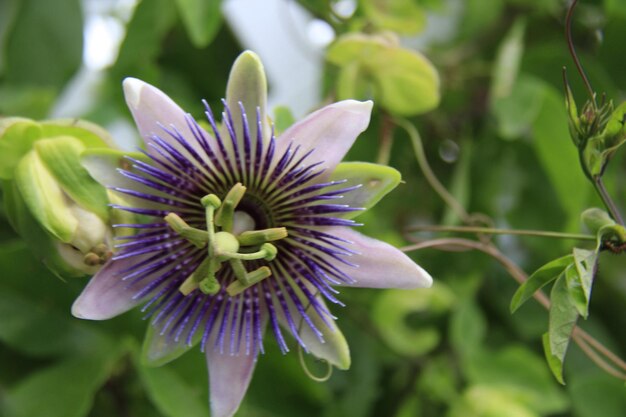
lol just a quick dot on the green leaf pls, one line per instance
(44, 198)
(408, 83)
(581, 282)
(401, 16)
(90, 134)
(61, 156)
(65, 389)
(375, 180)
(202, 19)
(53, 32)
(563, 316)
(402, 81)
(171, 394)
(488, 401)
(544, 275)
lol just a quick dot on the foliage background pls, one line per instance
(498, 141)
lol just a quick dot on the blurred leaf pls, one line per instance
(45, 46)
(438, 380)
(563, 315)
(517, 111)
(202, 19)
(394, 307)
(8, 12)
(488, 401)
(541, 277)
(522, 374)
(402, 16)
(171, 394)
(26, 100)
(468, 328)
(477, 18)
(65, 389)
(597, 395)
(508, 60)
(35, 330)
(142, 44)
(283, 119)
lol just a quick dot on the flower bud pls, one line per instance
(52, 201)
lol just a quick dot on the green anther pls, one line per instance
(258, 237)
(91, 259)
(101, 249)
(225, 215)
(254, 277)
(196, 236)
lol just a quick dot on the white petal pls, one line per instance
(229, 377)
(106, 295)
(331, 131)
(381, 265)
(151, 108)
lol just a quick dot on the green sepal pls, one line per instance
(156, 350)
(61, 156)
(283, 119)
(17, 136)
(40, 242)
(541, 277)
(247, 84)
(91, 135)
(44, 197)
(376, 181)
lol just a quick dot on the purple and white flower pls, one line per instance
(241, 231)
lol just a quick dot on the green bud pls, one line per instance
(595, 219)
(50, 198)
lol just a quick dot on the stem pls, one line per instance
(386, 140)
(583, 339)
(607, 200)
(428, 172)
(572, 51)
(494, 231)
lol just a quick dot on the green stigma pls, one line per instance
(225, 247)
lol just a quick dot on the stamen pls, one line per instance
(258, 237)
(225, 215)
(223, 246)
(197, 237)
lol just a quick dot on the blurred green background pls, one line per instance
(494, 129)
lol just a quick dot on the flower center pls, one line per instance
(223, 239)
